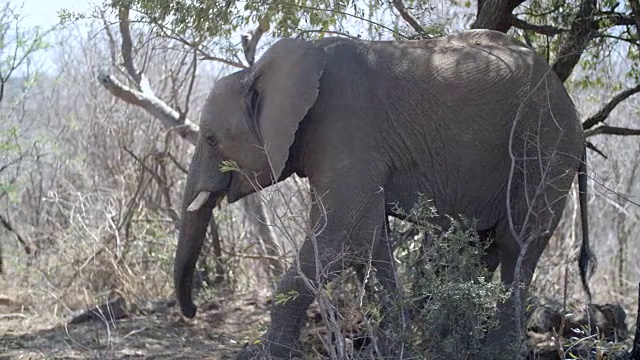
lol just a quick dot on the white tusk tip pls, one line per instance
(197, 203)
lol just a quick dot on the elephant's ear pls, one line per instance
(287, 81)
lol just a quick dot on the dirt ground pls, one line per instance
(215, 333)
(212, 334)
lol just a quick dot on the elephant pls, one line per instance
(475, 121)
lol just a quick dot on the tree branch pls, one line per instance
(540, 29)
(409, 18)
(169, 117)
(611, 130)
(606, 110)
(495, 14)
(614, 18)
(583, 29)
(594, 148)
(7, 225)
(127, 56)
(251, 39)
(144, 96)
(203, 54)
(635, 9)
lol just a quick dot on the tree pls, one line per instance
(18, 44)
(579, 38)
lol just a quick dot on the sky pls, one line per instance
(45, 12)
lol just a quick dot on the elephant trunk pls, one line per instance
(205, 188)
(193, 229)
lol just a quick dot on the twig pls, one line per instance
(540, 29)
(409, 18)
(334, 32)
(361, 18)
(601, 115)
(203, 54)
(594, 148)
(194, 64)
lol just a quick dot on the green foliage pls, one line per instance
(281, 299)
(17, 45)
(454, 294)
(229, 165)
(217, 18)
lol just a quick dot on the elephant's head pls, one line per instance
(250, 118)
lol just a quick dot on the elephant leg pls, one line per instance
(518, 264)
(345, 225)
(491, 256)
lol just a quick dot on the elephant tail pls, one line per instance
(587, 260)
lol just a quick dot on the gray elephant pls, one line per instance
(475, 121)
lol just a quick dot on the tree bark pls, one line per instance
(583, 29)
(495, 14)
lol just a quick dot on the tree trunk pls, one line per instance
(257, 217)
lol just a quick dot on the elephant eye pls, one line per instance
(212, 141)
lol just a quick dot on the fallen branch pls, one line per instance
(110, 311)
(603, 113)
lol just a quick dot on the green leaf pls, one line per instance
(228, 165)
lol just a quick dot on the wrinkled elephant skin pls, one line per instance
(475, 121)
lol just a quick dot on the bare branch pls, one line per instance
(540, 29)
(194, 67)
(251, 39)
(602, 115)
(619, 38)
(409, 18)
(7, 225)
(583, 29)
(205, 56)
(111, 39)
(145, 98)
(611, 130)
(614, 18)
(594, 148)
(127, 56)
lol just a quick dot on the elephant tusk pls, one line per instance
(202, 197)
